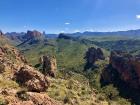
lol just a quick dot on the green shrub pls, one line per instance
(66, 100)
(22, 95)
(110, 92)
(2, 68)
(3, 102)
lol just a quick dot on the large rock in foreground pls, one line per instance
(32, 79)
(92, 55)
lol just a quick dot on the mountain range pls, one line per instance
(129, 33)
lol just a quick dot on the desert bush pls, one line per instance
(8, 84)
(3, 102)
(22, 95)
(2, 68)
(66, 100)
(110, 92)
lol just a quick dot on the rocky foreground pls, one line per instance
(20, 83)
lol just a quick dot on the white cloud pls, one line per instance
(138, 16)
(67, 23)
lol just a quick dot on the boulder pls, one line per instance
(32, 79)
(49, 65)
(92, 55)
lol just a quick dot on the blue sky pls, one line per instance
(54, 16)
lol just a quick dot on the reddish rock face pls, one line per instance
(49, 65)
(32, 79)
(92, 55)
(127, 66)
(33, 34)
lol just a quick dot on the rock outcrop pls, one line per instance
(17, 75)
(127, 68)
(32, 79)
(49, 65)
(33, 34)
(92, 55)
(15, 54)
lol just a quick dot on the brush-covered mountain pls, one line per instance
(79, 70)
(129, 33)
(23, 84)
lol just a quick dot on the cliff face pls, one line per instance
(33, 34)
(127, 68)
(22, 37)
(92, 55)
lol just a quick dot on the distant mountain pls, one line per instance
(34, 34)
(120, 33)
(51, 35)
(16, 36)
(22, 37)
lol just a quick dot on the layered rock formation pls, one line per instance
(49, 65)
(33, 34)
(92, 55)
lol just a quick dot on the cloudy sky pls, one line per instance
(54, 16)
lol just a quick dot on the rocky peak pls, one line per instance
(92, 55)
(49, 65)
(33, 34)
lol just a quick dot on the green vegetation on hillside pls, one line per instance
(72, 84)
